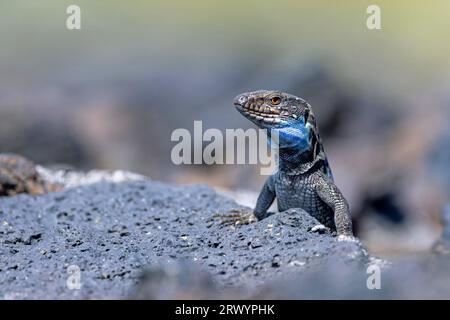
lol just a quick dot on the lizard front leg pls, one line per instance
(332, 196)
(265, 200)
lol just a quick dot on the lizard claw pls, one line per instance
(320, 228)
(236, 218)
(347, 237)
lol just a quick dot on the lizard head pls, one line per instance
(272, 109)
(289, 116)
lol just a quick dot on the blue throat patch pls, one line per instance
(293, 135)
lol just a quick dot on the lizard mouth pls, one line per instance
(261, 114)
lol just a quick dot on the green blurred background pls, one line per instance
(198, 37)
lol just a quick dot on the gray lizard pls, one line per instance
(304, 179)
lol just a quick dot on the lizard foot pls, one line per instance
(320, 228)
(347, 237)
(237, 217)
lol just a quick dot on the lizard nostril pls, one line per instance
(240, 100)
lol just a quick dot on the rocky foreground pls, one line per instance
(119, 235)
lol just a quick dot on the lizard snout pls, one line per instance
(240, 100)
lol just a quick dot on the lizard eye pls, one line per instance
(275, 100)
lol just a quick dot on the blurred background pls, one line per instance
(109, 95)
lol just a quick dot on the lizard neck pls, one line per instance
(295, 162)
(300, 148)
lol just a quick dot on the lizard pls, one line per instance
(304, 178)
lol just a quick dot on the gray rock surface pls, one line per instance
(124, 233)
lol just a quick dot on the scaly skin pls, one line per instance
(304, 179)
